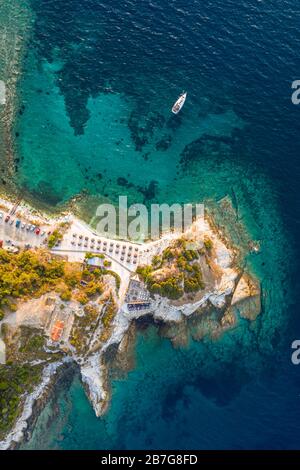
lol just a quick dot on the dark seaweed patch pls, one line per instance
(142, 130)
(124, 182)
(164, 143)
(149, 192)
(207, 145)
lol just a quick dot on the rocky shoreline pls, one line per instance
(238, 295)
(230, 293)
(64, 374)
(34, 404)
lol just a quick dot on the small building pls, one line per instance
(95, 263)
(60, 323)
(57, 330)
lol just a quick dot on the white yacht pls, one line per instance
(179, 103)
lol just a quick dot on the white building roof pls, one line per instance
(95, 261)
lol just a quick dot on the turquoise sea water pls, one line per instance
(200, 397)
(98, 83)
(108, 158)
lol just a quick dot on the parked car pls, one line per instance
(11, 221)
(32, 227)
(7, 218)
(18, 223)
(1, 215)
(22, 226)
(37, 231)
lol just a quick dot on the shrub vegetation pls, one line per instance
(175, 272)
(15, 380)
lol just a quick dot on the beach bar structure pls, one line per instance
(137, 296)
(136, 306)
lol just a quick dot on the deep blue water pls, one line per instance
(240, 134)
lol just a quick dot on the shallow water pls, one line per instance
(98, 84)
(15, 22)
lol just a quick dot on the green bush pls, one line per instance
(66, 295)
(109, 313)
(208, 244)
(168, 254)
(155, 288)
(93, 288)
(170, 288)
(145, 272)
(54, 238)
(190, 255)
(4, 386)
(82, 298)
(156, 261)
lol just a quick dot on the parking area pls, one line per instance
(17, 233)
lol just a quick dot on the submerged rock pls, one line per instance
(246, 300)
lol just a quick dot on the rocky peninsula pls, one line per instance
(71, 296)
